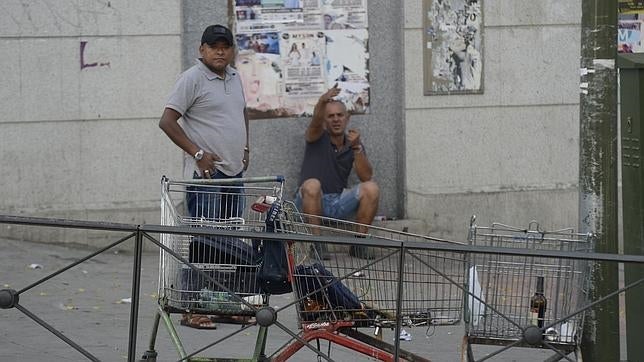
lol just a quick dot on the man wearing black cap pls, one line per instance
(214, 132)
(209, 97)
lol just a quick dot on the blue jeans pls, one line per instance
(216, 202)
(337, 206)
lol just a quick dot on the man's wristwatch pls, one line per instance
(199, 155)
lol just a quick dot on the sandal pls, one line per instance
(197, 321)
(244, 320)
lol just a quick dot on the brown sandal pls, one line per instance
(244, 320)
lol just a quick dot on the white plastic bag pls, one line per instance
(475, 306)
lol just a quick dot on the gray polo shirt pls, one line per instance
(212, 109)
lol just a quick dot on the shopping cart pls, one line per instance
(340, 290)
(501, 307)
(212, 274)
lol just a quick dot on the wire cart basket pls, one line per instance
(217, 275)
(501, 307)
(351, 281)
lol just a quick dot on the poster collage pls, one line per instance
(292, 51)
(629, 27)
(453, 46)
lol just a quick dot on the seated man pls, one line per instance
(329, 156)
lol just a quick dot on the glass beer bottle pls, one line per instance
(538, 304)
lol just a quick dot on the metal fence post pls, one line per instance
(598, 170)
(136, 284)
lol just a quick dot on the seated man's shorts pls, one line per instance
(337, 206)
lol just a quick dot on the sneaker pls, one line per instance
(404, 335)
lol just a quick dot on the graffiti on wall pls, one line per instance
(84, 64)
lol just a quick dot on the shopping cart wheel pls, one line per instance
(149, 356)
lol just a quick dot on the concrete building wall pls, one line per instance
(277, 145)
(79, 137)
(78, 134)
(510, 154)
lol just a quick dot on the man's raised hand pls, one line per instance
(332, 92)
(353, 137)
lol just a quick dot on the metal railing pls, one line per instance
(10, 298)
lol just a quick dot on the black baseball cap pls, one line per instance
(213, 33)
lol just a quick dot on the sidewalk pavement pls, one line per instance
(89, 304)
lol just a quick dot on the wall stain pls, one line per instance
(84, 65)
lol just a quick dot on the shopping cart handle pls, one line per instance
(234, 181)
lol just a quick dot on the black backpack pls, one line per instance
(326, 288)
(272, 275)
(240, 275)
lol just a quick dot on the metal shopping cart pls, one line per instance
(377, 284)
(525, 301)
(212, 274)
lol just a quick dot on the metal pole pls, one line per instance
(598, 171)
(399, 298)
(136, 287)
